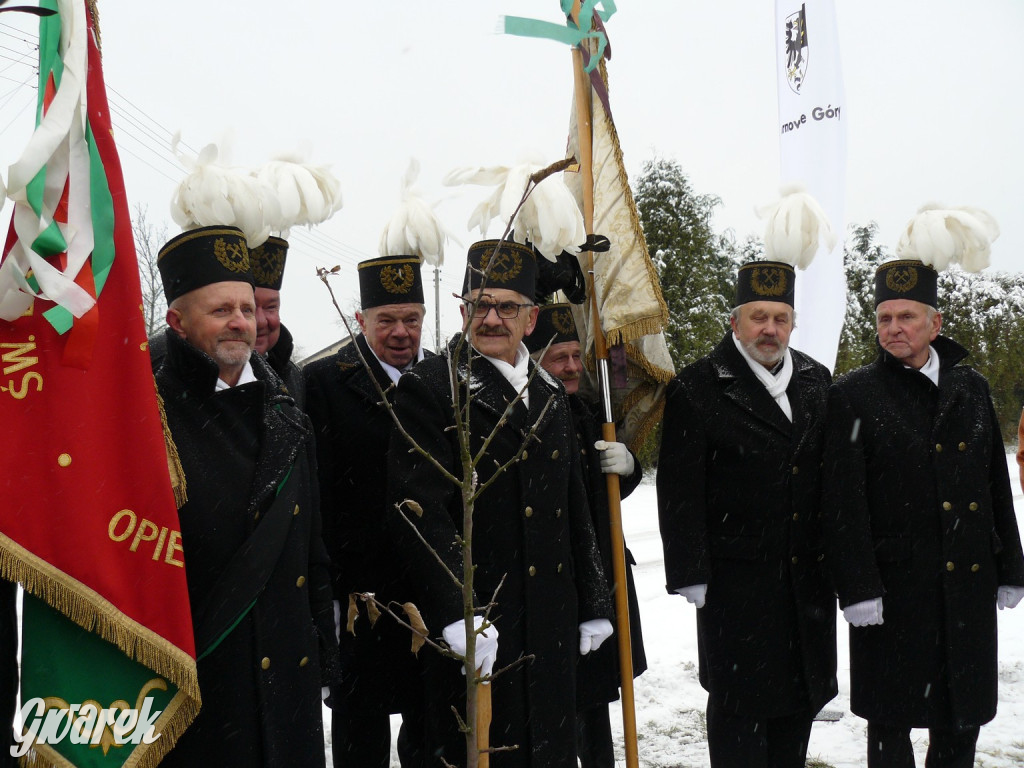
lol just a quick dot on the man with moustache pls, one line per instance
(255, 564)
(532, 533)
(598, 674)
(738, 502)
(380, 675)
(920, 528)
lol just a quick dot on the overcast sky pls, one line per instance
(934, 108)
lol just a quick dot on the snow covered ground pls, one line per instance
(670, 702)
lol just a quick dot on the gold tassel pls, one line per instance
(174, 467)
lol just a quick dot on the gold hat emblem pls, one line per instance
(234, 257)
(768, 281)
(397, 279)
(267, 264)
(507, 265)
(562, 322)
(901, 279)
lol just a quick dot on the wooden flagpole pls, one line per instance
(585, 133)
(483, 724)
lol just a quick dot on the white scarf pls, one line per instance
(776, 384)
(931, 366)
(517, 374)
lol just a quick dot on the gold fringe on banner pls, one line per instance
(93, 613)
(173, 459)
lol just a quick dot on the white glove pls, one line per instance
(694, 594)
(486, 642)
(1008, 597)
(615, 458)
(864, 613)
(337, 620)
(593, 633)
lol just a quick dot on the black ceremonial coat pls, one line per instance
(261, 685)
(918, 510)
(738, 504)
(598, 672)
(531, 528)
(352, 433)
(280, 358)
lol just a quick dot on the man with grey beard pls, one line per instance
(738, 489)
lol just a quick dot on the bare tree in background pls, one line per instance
(148, 239)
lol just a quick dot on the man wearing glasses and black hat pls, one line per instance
(532, 532)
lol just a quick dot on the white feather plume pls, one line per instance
(939, 236)
(306, 194)
(414, 229)
(550, 219)
(796, 227)
(213, 194)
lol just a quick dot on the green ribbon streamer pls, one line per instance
(51, 241)
(570, 35)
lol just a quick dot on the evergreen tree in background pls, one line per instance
(696, 271)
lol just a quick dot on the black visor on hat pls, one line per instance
(203, 256)
(511, 265)
(390, 280)
(906, 279)
(765, 281)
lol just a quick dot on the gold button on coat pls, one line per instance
(975, 568)
(796, 516)
(947, 506)
(973, 506)
(938, 447)
(528, 511)
(796, 470)
(554, 454)
(962, 447)
(559, 567)
(533, 571)
(265, 663)
(304, 661)
(950, 566)
(795, 559)
(300, 581)
(296, 511)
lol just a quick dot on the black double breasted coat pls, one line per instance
(739, 510)
(260, 686)
(919, 511)
(532, 535)
(353, 430)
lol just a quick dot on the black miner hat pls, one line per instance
(390, 280)
(765, 281)
(555, 323)
(203, 256)
(514, 268)
(906, 279)
(267, 263)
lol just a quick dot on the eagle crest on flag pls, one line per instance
(795, 37)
